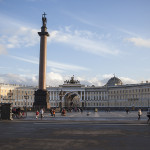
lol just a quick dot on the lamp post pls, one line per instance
(148, 102)
(60, 96)
(26, 97)
(10, 94)
(1, 99)
(108, 109)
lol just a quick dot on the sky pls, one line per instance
(90, 39)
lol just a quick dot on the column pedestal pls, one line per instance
(41, 99)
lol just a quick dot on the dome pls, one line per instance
(114, 81)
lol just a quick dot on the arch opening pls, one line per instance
(72, 100)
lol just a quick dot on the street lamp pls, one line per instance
(10, 94)
(61, 96)
(26, 97)
(107, 94)
(1, 98)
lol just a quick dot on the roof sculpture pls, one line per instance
(72, 81)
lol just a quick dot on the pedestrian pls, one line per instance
(54, 112)
(41, 112)
(63, 113)
(20, 114)
(37, 114)
(127, 110)
(23, 114)
(51, 112)
(148, 115)
(139, 114)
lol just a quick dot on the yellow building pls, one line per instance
(15, 94)
(114, 95)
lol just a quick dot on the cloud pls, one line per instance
(3, 49)
(127, 32)
(21, 35)
(52, 64)
(108, 76)
(82, 20)
(56, 79)
(24, 37)
(65, 66)
(125, 80)
(83, 40)
(14, 34)
(18, 79)
(52, 79)
(140, 42)
(92, 81)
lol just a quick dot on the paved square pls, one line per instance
(76, 131)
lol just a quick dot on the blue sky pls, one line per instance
(91, 39)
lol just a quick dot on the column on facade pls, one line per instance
(56, 96)
(87, 95)
(84, 95)
(81, 96)
(90, 95)
(53, 95)
(50, 95)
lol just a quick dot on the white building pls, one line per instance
(113, 95)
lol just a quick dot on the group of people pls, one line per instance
(18, 113)
(63, 113)
(41, 113)
(52, 113)
(148, 114)
(139, 112)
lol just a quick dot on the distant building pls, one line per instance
(14, 94)
(73, 94)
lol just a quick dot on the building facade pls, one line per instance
(113, 95)
(72, 94)
(15, 94)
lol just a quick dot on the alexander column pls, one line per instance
(42, 95)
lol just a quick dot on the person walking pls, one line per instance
(37, 114)
(148, 115)
(54, 112)
(51, 112)
(127, 110)
(139, 114)
(41, 112)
